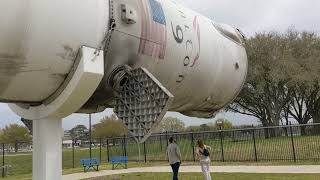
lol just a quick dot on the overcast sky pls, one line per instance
(250, 16)
(261, 15)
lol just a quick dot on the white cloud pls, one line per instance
(7, 116)
(260, 15)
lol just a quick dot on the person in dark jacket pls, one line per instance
(174, 157)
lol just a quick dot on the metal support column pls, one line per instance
(90, 140)
(221, 144)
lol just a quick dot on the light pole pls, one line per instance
(90, 140)
(220, 123)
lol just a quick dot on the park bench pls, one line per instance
(119, 160)
(90, 163)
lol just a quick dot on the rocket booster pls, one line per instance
(201, 62)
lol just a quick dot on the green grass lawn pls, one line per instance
(215, 176)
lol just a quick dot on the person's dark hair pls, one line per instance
(171, 140)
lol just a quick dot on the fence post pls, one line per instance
(145, 152)
(293, 147)
(100, 150)
(124, 145)
(108, 153)
(167, 138)
(3, 160)
(176, 137)
(255, 145)
(73, 154)
(160, 142)
(192, 145)
(221, 144)
(203, 137)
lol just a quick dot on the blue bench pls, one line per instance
(119, 160)
(90, 163)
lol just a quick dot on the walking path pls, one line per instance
(220, 169)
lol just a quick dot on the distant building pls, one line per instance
(67, 135)
(67, 143)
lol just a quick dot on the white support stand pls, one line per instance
(47, 117)
(47, 149)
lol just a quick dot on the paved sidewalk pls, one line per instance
(221, 169)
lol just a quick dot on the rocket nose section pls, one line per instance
(238, 51)
(230, 32)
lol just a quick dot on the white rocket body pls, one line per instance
(202, 63)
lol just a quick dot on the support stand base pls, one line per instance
(81, 83)
(47, 149)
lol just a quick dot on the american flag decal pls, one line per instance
(157, 12)
(153, 29)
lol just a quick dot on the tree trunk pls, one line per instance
(275, 122)
(316, 119)
(303, 130)
(16, 147)
(266, 133)
(266, 130)
(287, 123)
(273, 133)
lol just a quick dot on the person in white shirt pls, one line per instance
(174, 157)
(203, 154)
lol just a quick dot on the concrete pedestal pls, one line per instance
(47, 149)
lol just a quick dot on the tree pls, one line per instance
(314, 104)
(15, 134)
(305, 48)
(210, 126)
(193, 129)
(297, 107)
(308, 54)
(171, 124)
(109, 127)
(78, 132)
(283, 78)
(265, 94)
(204, 127)
(304, 83)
